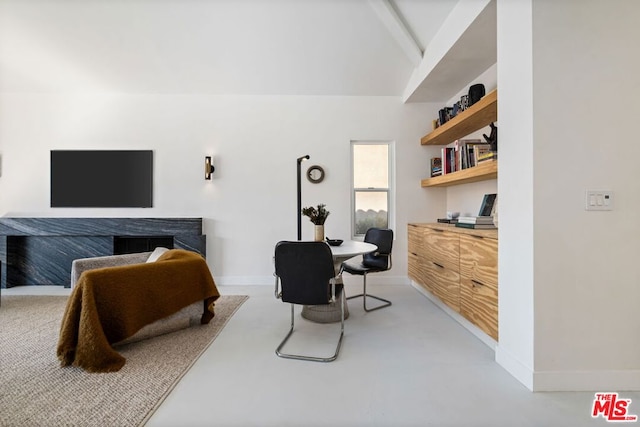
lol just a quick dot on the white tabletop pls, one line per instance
(351, 248)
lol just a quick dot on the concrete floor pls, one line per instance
(406, 365)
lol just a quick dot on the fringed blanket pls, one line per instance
(110, 304)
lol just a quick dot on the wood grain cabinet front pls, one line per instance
(460, 268)
(442, 249)
(479, 282)
(416, 255)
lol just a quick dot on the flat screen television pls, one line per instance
(101, 178)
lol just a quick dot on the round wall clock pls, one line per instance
(315, 174)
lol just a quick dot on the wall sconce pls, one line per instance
(208, 167)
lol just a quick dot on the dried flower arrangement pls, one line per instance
(317, 216)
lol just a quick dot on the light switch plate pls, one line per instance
(599, 200)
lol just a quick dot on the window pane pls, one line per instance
(371, 210)
(371, 166)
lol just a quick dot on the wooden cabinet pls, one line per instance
(441, 267)
(416, 254)
(479, 282)
(479, 115)
(460, 267)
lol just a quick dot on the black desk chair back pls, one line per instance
(374, 262)
(304, 275)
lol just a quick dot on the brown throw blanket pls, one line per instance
(110, 304)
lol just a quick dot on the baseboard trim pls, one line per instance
(595, 381)
(514, 367)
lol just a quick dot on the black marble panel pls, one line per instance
(46, 260)
(39, 251)
(99, 226)
(191, 243)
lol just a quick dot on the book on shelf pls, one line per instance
(489, 203)
(464, 154)
(482, 152)
(488, 157)
(476, 226)
(447, 160)
(448, 220)
(480, 220)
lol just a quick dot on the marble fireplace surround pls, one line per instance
(39, 251)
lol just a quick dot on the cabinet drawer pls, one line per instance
(479, 304)
(415, 239)
(444, 283)
(479, 259)
(416, 268)
(442, 248)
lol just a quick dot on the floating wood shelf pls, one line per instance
(482, 172)
(479, 115)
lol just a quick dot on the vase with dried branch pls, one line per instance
(317, 216)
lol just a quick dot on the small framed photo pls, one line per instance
(436, 166)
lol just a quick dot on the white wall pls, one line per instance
(515, 188)
(251, 202)
(568, 282)
(586, 283)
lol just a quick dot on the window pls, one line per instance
(371, 178)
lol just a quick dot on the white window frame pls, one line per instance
(391, 193)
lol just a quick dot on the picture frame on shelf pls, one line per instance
(436, 166)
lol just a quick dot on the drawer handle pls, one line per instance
(438, 230)
(475, 282)
(437, 265)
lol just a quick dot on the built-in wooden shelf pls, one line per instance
(482, 172)
(479, 115)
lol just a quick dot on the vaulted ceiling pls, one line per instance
(285, 47)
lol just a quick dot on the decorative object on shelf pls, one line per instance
(317, 216)
(334, 242)
(315, 174)
(208, 167)
(492, 139)
(489, 201)
(299, 194)
(436, 166)
(476, 92)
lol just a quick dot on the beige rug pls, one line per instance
(36, 391)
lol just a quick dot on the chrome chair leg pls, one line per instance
(312, 358)
(364, 296)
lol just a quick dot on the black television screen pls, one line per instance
(101, 178)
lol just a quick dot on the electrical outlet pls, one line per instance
(599, 200)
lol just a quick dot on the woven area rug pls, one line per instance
(36, 391)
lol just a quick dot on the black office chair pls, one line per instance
(374, 262)
(305, 275)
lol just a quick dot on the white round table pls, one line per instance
(330, 313)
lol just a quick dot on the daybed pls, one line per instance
(109, 305)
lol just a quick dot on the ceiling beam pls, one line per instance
(398, 29)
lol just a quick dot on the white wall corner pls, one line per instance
(512, 365)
